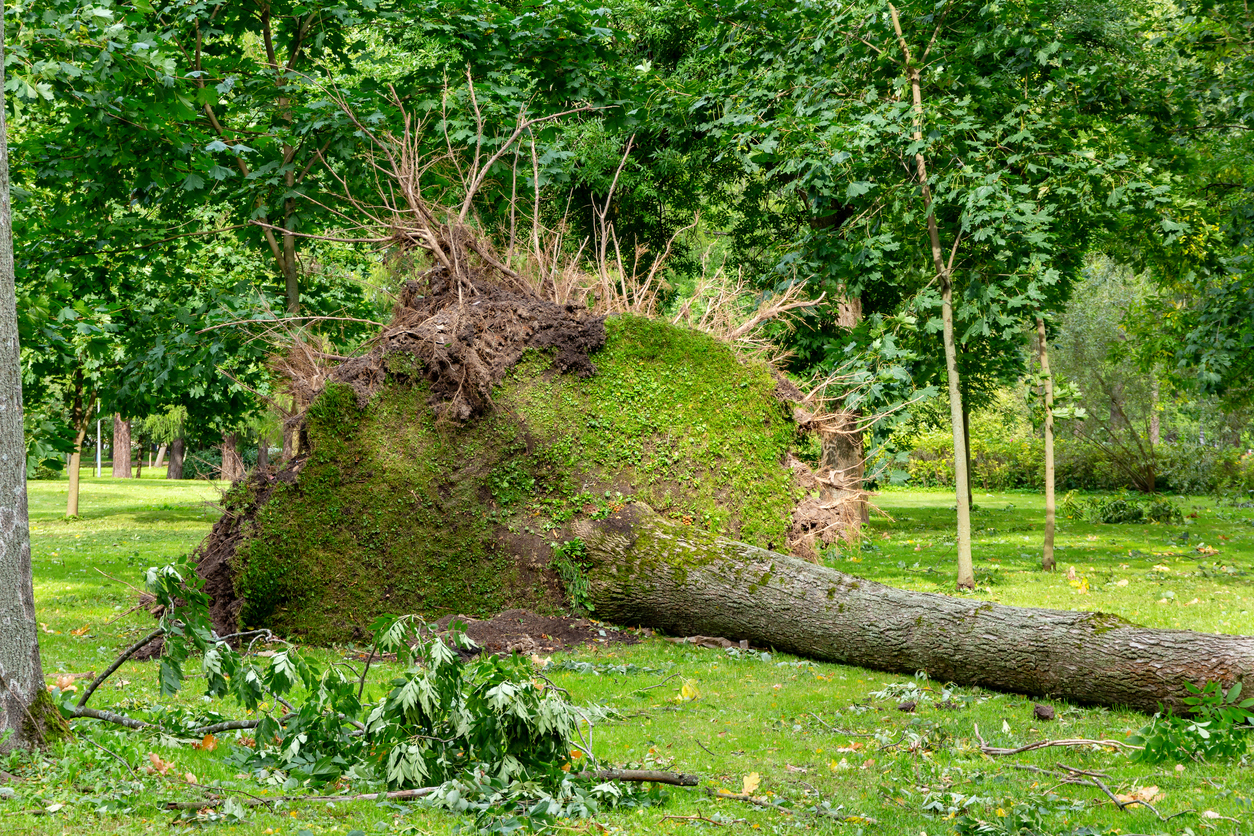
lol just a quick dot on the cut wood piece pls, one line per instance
(645, 570)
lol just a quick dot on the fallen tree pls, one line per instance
(646, 570)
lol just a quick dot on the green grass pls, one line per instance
(775, 716)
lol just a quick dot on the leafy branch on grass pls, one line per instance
(492, 733)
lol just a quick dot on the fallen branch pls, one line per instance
(110, 717)
(635, 775)
(395, 795)
(675, 779)
(1044, 744)
(117, 663)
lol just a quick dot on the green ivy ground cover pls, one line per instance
(825, 744)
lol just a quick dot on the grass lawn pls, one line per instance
(825, 739)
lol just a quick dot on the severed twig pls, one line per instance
(1043, 744)
(117, 663)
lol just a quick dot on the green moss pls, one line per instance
(396, 513)
(44, 722)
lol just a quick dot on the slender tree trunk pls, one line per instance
(232, 465)
(160, 457)
(80, 419)
(175, 468)
(263, 453)
(1047, 555)
(644, 569)
(944, 272)
(140, 449)
(121, 448)
(966, 443)
(23, 700)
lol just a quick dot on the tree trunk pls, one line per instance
(1047, 555)
(966, 444)
(24, 703)
(962, 480)
(263, 453)
(80, 419)
(175, 469)
(140, 449)
(121, 448)
(232, 465)
(842, 468)
(160, 457)
(650, 571)
(1155, 422)
(944, 272)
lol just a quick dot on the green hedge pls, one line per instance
(1020, 463)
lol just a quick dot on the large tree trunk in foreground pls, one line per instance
(650, 571)
(25, 709)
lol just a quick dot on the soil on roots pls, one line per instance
(465, 334)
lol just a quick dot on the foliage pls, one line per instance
(1120, 509)
(492, 734)
(1217, 727)
(570, 563)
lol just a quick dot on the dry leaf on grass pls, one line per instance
(751, 782)
(1148, 795)
(157, 766)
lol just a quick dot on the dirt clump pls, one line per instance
(465, 334)
(526, 632)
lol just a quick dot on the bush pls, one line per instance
(1120, 509)
(1006, 464)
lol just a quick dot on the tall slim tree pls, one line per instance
(1047, 555)
(21, 674)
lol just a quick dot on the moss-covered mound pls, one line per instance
(395, 511)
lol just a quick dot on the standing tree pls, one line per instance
(1047, 386)
(960, 155)
(24, 704)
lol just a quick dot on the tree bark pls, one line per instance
(263, 452)
(141, 447)
(1047, 554)
(842, 470)
(121, 448)
(650, 571)
(232, 465)
(175, 468)
(161, 451)
(23, 700)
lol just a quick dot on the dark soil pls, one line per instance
(527, 633)
(464, 335)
